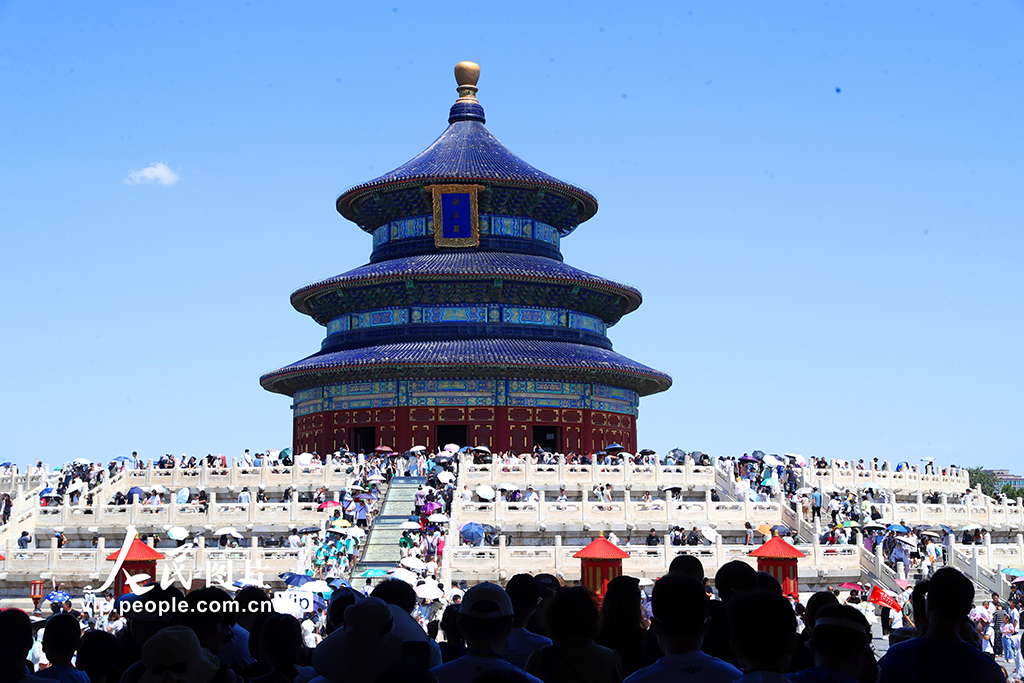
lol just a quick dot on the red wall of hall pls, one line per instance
(500, 428)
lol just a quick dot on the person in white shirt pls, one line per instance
(293, 540)
(532, 496)
(986, 634)
(679, 620)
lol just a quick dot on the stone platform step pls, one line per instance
(381, 551)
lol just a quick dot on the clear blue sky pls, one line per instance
(822, 203)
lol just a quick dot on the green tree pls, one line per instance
(1013, 491)
(979, 475)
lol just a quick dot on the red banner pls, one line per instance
(880, 597)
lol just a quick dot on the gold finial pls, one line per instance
(466, 76)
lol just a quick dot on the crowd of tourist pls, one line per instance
(536, 628)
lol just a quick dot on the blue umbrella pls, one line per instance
(6, 464)
(319, 603)
(898, 528)
(338, 583)
(614, 446)
(135, 492)
(181, 497)
(48, 489)
(298, 580)
(121, 458)
(472, 532)
(780, 530)
(57, 596)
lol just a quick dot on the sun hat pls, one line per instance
(176, 649)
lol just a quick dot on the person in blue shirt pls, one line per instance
(941, 654)
(60, 640)
(815, 504)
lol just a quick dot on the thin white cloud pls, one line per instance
(157, 172)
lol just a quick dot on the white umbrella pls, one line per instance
(77, 486)
(485, 492)
(452, 448)
(181, 497)
(413, 563)
(429, 591)
(354, 531)
(709, 533)
(177, 533)
(93, 530)
(417, 449)
(970, 527)
(438, 517)
(410, 525)
(508, 487)
(316, 587)
(483, 449)
(446, 477)
(304, 459)
(805, 490)
(772, 461)
(235, 534)
(375, 477)
(159, 488)
(798, 460)
(225, 531)
(645, 582)
(405, 575)
(82, 461)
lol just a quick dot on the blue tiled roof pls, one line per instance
(468, 265)
(510, 357)
(466, 152)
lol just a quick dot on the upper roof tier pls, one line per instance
(468, 153)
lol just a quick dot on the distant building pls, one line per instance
(1003, 477)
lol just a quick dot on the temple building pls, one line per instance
(466, 326)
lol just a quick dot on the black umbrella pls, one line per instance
(648, 451)
(309, 530)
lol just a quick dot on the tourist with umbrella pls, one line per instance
(472, 533)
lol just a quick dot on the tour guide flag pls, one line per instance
(880, 597)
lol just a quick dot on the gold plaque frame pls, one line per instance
(474, 215)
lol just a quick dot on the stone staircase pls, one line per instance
(381, 551)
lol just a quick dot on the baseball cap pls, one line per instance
(486, 601)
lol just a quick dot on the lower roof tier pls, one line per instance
(460, 266)
(484, 358)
